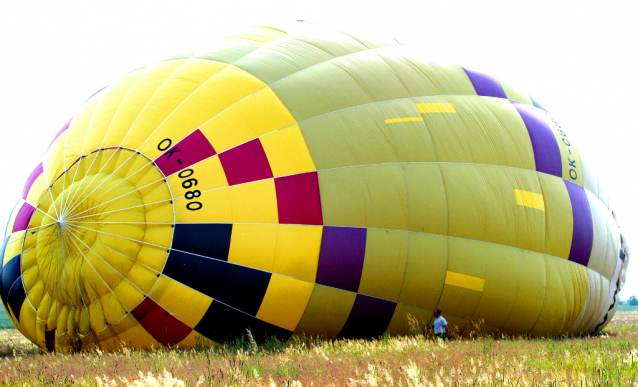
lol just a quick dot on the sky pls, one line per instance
(577, 58)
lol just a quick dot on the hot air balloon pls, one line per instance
(302, 181)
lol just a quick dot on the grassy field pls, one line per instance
(609, 359)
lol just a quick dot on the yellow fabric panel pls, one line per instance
(530, 294)
(147, 82)
(175, 100)
(170, 295)
(515, 94)
(502, 272)
(254, 202)
(113, 309)
(128, 295)
(108, 108)
(426, 199)
(595, 303)
(96, 317)
(327, 312)
(36, 191)
(254, 245)
(208, 173)
(297, 251)
(565, 296)
(287, 152)
(27, 321)
(195, 340)
(52, 163)
(424, 271)
(260, 113)
(435, 107)
(484, 131)
(133, 335)
(372, 196)
(529, 199)
(153, 257)
(75, 140)
(384, 264)
(408, 320)
(404, 119)
(143, 277)
(189, 99)
(464, 281)
(285, 301)
(13, 247)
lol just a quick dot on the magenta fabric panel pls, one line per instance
(583, 236)
(298, 199)
(246, 163)
(546, 150)
(64, 128)
(23, 218)
(191, 150)
(32, 177)
(485, 85)
(341, 257)
(163, 326)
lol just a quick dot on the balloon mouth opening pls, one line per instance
(96, 244)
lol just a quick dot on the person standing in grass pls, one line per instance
(439, 326)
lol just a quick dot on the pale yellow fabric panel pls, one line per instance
(369, 196)
(502, 275)
(482, 205)
(530, 293)
(600, 244)
(408, 320)
(565, 295)
(327, 312)
(384, 264)
(426, 198)
(36, 191)
(13, 247)
(559, 220)
(425, 270)
(482, 131)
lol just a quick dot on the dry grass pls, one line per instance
(610, 359)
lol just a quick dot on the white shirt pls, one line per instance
(439, 325)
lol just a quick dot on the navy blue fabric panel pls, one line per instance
(209, 240)
(222, 323)
(16, 297)
(369, 317)
(8, 276)
(238, 286)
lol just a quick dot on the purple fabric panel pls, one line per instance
(23, 217)
(485, 85)
(546, 150)
(34, 175)
(341, 257)
(65, 127)
(583, 236)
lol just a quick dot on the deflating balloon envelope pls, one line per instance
(304, 181)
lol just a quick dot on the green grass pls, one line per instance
(608, 359)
